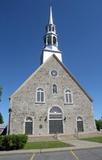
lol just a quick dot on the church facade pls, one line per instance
(51, 100)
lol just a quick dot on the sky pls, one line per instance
(79, 29)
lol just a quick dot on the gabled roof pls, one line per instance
(23, 84)
(71, 75)
(67, 70)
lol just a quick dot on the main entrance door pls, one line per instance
(55, 120)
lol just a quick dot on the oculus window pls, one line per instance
(54, 73)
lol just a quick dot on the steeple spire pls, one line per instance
(51, 17)
(50, 40)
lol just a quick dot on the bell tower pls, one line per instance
(50, 41)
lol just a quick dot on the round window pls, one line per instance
(54, 73)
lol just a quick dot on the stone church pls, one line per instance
(51, 100)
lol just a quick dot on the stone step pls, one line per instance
(90, 134)
(53, 137)
(41, 138)
(62, 137)
(66, 137)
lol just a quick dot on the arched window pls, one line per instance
(54, 88)
(68, 97)
(28, 126)
(54, 40)
(50, 27)
(49, 40)
(80, 127)
(53, 28)
(55, 110)
(28, 119)
(40, 95)
(55, 113)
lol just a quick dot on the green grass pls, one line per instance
(46, 144)
(93, 139)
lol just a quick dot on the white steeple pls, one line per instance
(50, 41)
(51, 17)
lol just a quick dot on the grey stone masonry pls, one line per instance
(23, 102)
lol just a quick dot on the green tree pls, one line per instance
(1, 119)
(98, 124)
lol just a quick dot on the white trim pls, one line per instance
(65, 102)
(79, 118)
(56, 119)
(49, 51)
(56, 106)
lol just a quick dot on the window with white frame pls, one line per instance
(40, 95)
(55, 113)
(68, 98)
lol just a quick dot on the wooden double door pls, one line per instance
(55, 126)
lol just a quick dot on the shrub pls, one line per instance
(98, 124)
(11, 142)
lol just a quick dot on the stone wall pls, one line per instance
(23, 101)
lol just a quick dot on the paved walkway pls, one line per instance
(77, 144)
(81, 144)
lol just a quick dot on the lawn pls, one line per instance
(93, 139)
(46, 144)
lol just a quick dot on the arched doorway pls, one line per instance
(28, 126)
(55, 120)
(80, 127)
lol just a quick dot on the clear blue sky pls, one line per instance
(79, 28)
